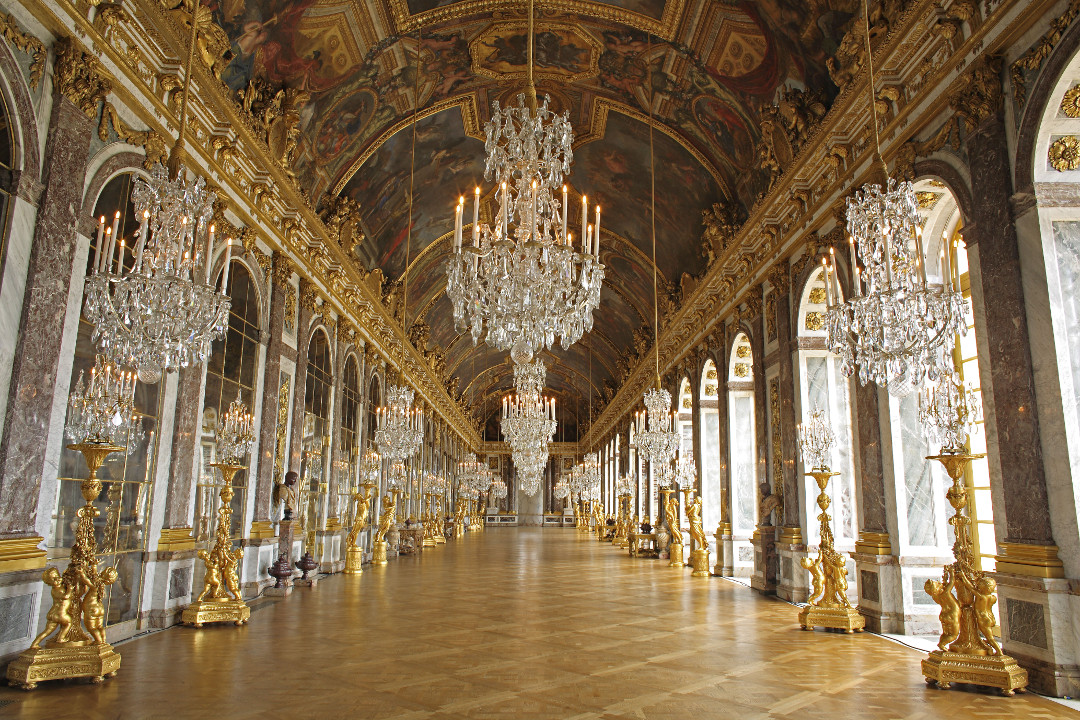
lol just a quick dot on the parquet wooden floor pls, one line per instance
(518, 623)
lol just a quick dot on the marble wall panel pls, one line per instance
(1027, 624)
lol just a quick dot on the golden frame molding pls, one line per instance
(476, 48)
(664, 28)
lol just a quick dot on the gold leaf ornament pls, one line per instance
(1065, 153)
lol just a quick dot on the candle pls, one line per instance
(584, 222)
(97, 246)
(828, 287)
(457, 223)
(109, 249)
(888, 256)
(209, 253)
(535, 218)
(858, 282)
(944, 275)
(225, 272)
(116, 225)
(93, 381)
(476, 218)
(919, 256)
(505, 212)
(588, 241)
(565, 214)
(851, 247)
(835, 279)
(597, 241)
(948, 261)
(120, 264)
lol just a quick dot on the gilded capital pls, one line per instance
(309, 294)
(346, 332)
(80, 77)
(282, 269)
(778, 277)
(753, 301)
(979, 96)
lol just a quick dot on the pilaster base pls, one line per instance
(1038, 616)
(765, 560)
(96, 662)
(847, 619)
(199, 613)
(725, 551)
(793, 583)
(997, 671)
(284, 591)
(881, 594)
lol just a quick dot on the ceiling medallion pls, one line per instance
(521, 283)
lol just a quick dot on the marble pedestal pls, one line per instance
(793, 583)
(330, 544)
(170, 575)
(881, 595)
(725, 559)
(1038, 618)
(765, 560)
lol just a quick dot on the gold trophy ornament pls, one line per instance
(828, 606)
(221, 599)
(101, 417)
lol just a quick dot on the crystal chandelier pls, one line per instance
(400, 427)
(102, 412)
(949, 411)
(686, 472)
(528, 424)
(624, 485)
(815, 441)
(522, 282)
(370, 465)
(897, 329)
(160, 311)
(498, 490)
(660, 441)
(235, 433)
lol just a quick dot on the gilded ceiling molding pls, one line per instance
(664, 29)
(80, 77)
(1033, 59)
(469, 118)
(10, 30)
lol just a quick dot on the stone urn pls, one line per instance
(280, 570)
(306, 564)
(663, 539)
(393, 537)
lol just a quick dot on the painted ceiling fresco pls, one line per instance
(704, 68)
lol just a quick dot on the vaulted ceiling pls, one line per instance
(715, 64)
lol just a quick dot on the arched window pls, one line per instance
(347, 463)
(230, 373)
(824, 386)
(686, 420)
(7, 177)
(127, 477)
(318, 394)
(742, 436)
(710, 446)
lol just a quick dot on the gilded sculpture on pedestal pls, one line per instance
(354, 555)
(699, 556)
(386, 520)
(675, 548)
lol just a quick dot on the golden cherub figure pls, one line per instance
(59, 616)
(941, 592)
(93, 610)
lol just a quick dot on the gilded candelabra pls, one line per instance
(622, 524)
(386, 521)
(699, 556)
(221, 599)
(967, 650)
(671, 514)
(354, 554)
(74, 634)
(459, 517)
(829, 606)
(428, 519)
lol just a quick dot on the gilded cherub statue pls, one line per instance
(59, 617)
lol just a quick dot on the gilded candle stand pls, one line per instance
(73, 643)
(829, 606)
(221, 599)
(967, 650)
(354, 554)
(386, 520)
